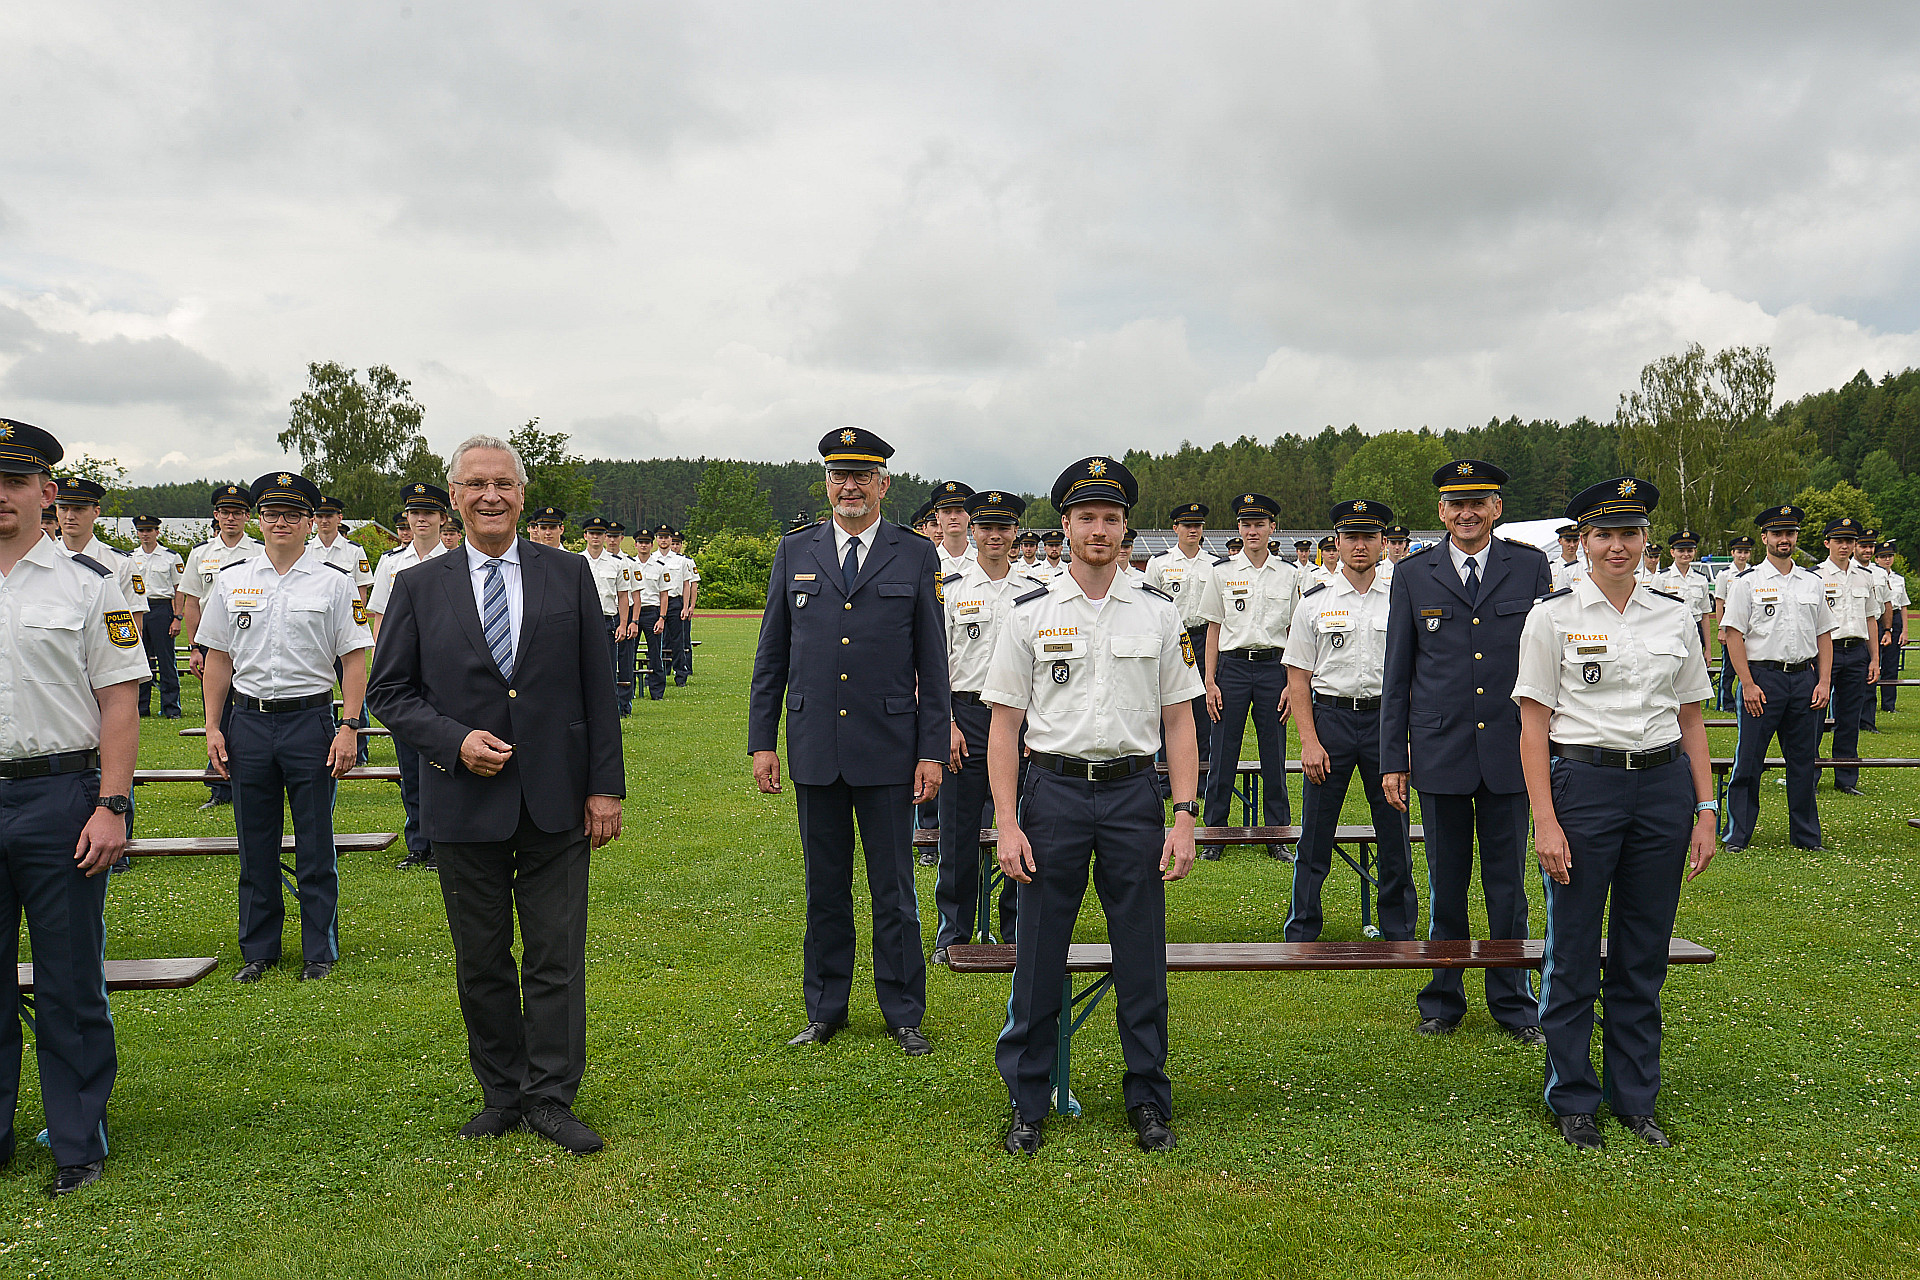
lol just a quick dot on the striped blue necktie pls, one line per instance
(496, 621)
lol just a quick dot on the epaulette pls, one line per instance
(1668, 594)
(952, 577)
(1744, 572)
(336, 568)
(1431, 546)
(1152, 590)
(805, 528)
(1318, 586)
(1156, 555)
(234, 564)
(92, 564)
(1555, 595)
(1031, 595)
(1223, 559)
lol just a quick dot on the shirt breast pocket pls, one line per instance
(1063, 676)
(1136, 671)
(309, 624)
(52, 648)
(1595, 676)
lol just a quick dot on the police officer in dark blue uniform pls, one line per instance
(852, 647)
(1448, 724)
(1610, 684)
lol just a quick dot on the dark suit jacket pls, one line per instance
(434, 681)
(1451, 667)
(863, 678)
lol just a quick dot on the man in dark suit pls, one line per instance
(492, 664)
(1448, 719)
(852, 645)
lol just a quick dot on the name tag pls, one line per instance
(803, 577)
(969, 609)
(1336, 622)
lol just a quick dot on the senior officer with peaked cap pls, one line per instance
(1611, 679)
(1099, 669)
(1448, 724)
(852, 646)
(70, 662)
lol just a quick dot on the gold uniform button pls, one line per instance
(843, 675)
(513, 693)
(1481, 725)
(1476, 622)
(843, 711)
(1476, 690)
(845, 640)
(1475, 655)
(847, 605)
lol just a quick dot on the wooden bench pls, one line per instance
(197, 846)
(1261, 957)
(371, 731)
(129, 975)
(366, 773)
(1723, 771)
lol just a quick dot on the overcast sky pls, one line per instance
(1001, 235)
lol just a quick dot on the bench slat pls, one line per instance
(143, 975)
(186, 846)
(1217, 835)
(370, 732)
(370, 773)
(1232, 957)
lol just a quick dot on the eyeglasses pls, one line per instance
(861, 478)
(487, 486)
(282, 517)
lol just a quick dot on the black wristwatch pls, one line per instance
(114, 804)
(1189, 807)
(355, 723)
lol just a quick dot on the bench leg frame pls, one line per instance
(1064, 1103)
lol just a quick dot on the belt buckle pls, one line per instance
(1630, 765)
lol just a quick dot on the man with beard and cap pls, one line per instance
(1853, 597)
(1895, 636)
(949, 507)
(1099, 671)
(853, 650)
(1051, 565)
(230, 543)
(158, 571)
(1183, 571)
(426, 510)
(1568, 566)
(1449, 728)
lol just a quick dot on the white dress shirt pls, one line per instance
(1184, 578)
(65, 631)
(208, 558)
(1853, 595)
(976, 609)
(1252, 607)
(158, 571)
(477, 562)
(283, 630)
(121, 565)
(348, 555)
(840, 540)
(1460, 560)
(1339, 634)
(1781, 615)
(390, 564)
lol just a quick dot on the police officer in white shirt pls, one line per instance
(1127, 569)
(948, 506)
(157, 569)
(70, 662)
(273, 627)
(1051, 565)
(331, 546)
(1249, 603)
(1854, 598)
(1303, 556)
(1610, 685)
(1099, 670)
(1568, 567)
(424, 511)
(1778, 633)
(1399, 546)
(1686, 581)
(1650, 566)
(547, 526)
(649, 576)
(689, 582)
(1863, 552)
(1182, 571)
(230, 542)
(1336, 651)
(626, 635)
(1740, 553)
(610, 577)
(1029, 560)
(1896, 636)
(79, 505)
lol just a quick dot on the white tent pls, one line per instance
(1535, 533)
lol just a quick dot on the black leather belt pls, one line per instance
(47, 766)
(1091, 770)
(1772, 665)
(273, 706)
(971, 699)
(1616, 759)
(1850, 642)
(1253, 655)
(1351, 704)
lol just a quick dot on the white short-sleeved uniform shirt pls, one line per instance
(609, 578)
(1852, 595)
(1614, 679)
(1044, 570)
(283, 631)
(1692, 587)
(976, 611)
(1339, 634)
(205, 561)
(1781, 615)
(690, 571)
(669, 573)
(1725, 581)
(950, 565)
(1184, 578)
(1568, 572)
(1092, 676)
(392, 563)
(1897, 589)
(158, 571)
(1252, 606)
(347, 555)
(126, 575)
(65, 631)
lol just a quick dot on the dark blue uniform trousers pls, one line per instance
(678, 655)
(1850, 696)
(963, 802)
(885, 817)
(40, 822)
(1202, 722)
(340, 677)
(1890, 659)
(166, 667)
(613, 654)
(1119, 827)
(1627, 831)
(1255, 687)
(623, 684)
(271, 756)
(1352, 740)
(656, 674)
(1451, 821)
(415, 838)
(221, 788)
(1788, 714)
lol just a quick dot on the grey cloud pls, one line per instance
(65, 369)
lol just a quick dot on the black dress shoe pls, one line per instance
(316, 970)
(1811, 848)
(72, 1177)
(1644, 1128)
(1733, 848)
(1211, 853)
(940, 956)
(1023, 1135)
(1280, 853)
(929, 858)
(817, 1033)
(1151, 1129)
(1532, 1036)
(214, 803)
(1849, 791)
(121, 867)
(253, 970)
(492, 1123)
(414, 862)
(1437, 1026)
(1582, 1132)
(558, 1124)
(911, 1041)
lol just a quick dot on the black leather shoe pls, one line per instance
(121, 867)
(940, 956)
(492, 1123)
(1811, 848)
(1023, 1135)
(817, 1033)
(1849, 791)
(1280, 853)
(72, 1177)
(929, 858)
(1533, 1037)
(316, 970)
(1150, 1128)
(1437, 1026)
(214, 804)
(253, 970)
(1211, 853)
(1645, 1129)
(558, 1124)
(911, 1041)
(1582, 1132)
(414, 862)
(1733, 848)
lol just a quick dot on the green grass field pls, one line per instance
(292, 1129)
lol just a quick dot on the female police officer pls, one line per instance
(1615, 754)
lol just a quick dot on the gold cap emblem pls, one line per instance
(1358, 507)
(284, 478)
(1465, 468)
(1246, 500)
(6, 430)
(419, 488)
(1098, 467)
(1626, 488)
(849, 436)
(993, 498)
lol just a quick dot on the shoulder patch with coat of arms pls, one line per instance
(1186, 648)
(120, 628)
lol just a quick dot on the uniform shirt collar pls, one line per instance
(43, 553)
(1340, 584)
(477, 559)
(1588, 595)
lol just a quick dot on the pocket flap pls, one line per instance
(1506, 607)
(1424, 719)
(1135, 646)
(307, 606)
(900, 706)
(54, 616)
(894, 588)
(795, 702)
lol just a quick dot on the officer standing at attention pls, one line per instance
(274, 625)
(1569, 567)
(1883, 597)
(1051, 566)
(1336, 651)
(649, 580)
(1394, 551)
(67, 747)
(1684, 580)
(79, 506)
(1029, 543)
(1740, 552)
(423, 515)
(1778, 637)
(1895, 635)
(1100, 671)
(1449, 726)
(1610, 684)
(229, 543)
(158, 571)
(1853, 597)
(1183, 572)
(50, 522)
(689, 601)
(949, 507)
(627, 635)
(547, 526)
(672, 603)
(402, 531)
(852, 647)
(1249, 603)
(1303, 555)
(610, 578)
(330, 546)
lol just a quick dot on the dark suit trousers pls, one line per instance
(276, 756)
(1451, 822)
(885, 817)
(1850, 695)
(1249, 688)
(159, 646)
(1788, 714)
(1352, 740)
(526, 1029)
(962, 803)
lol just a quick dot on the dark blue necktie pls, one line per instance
(1473, 581)
(850, 567)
